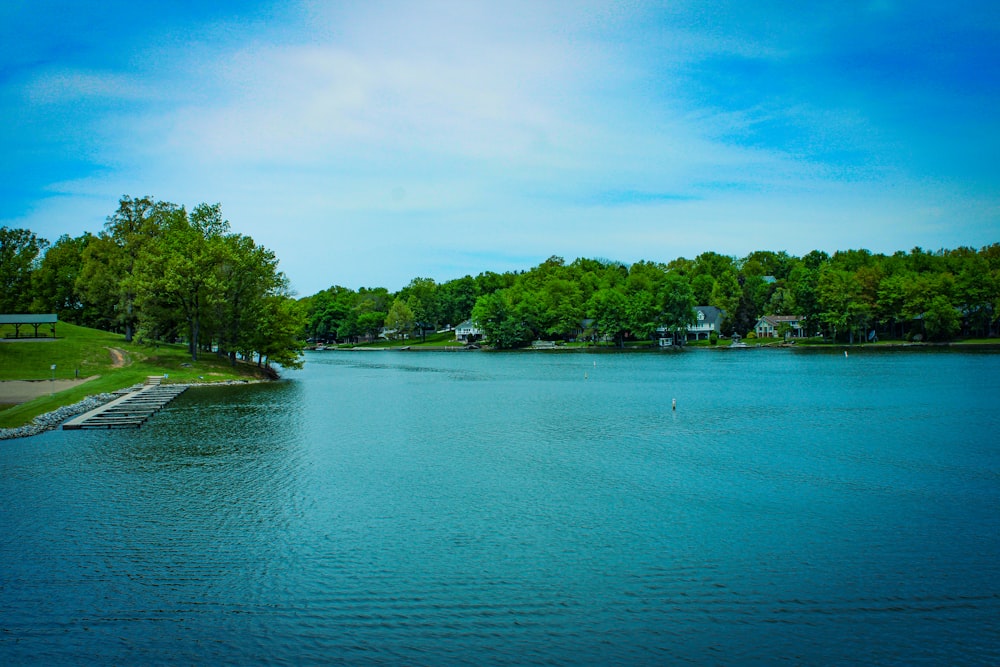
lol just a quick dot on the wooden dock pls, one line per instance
(130, 410)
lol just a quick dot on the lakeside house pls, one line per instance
(707, 319)
(769, 326)
(467, 332)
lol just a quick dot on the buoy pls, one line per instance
(585, 376)
(845, 354)
(674, 404)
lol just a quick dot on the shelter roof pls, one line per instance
(29, 318)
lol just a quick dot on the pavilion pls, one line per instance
(21, 319)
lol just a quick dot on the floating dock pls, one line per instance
(130, 410)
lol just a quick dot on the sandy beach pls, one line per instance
(22, 391)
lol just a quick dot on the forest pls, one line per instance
(849, 296)
(157, 272)
(160, 273)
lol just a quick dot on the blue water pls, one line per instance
(533, 508)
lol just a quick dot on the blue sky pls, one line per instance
(368, 143)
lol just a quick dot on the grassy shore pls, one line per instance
(81, 352)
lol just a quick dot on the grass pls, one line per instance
(88, 351)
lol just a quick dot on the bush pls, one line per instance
(713, 338)
(751, 334)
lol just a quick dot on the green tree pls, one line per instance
(678, 304)
(643, 313)
(276, 331)
(840, 298)
(941, 321)
(19, 256)
(400, 320)
(127, 232)
(702, 287)
(369, 322)
(177, 278)
(246, 276)
(726, 297)
(421, 296)
(54, 280)
(457, 299)
(608, 308)
(499, 318)
(98, 283)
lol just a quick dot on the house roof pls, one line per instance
(29, 318)
(778, 319)
(711, 312)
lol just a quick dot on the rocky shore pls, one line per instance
(51, 420)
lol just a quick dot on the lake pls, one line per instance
(798, 507)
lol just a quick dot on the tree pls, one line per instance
(98, 283)
(726, 297)
(370, 322)
(19, 253)
(457, 299)
(642, 313)
(701, 287)
(975, 291)
(127, 232)
(400, 320)
(839, 293)
(178, 273)
(499, 318)
(276, 331)
(678, 304)
(941, 321)
(608, 308)
(246, 275)
(421, 296)
(54, 281)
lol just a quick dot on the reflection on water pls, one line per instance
(522, 509)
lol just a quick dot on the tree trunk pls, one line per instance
(193, 343)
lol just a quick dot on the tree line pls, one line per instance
(846, 297)
(158, 272)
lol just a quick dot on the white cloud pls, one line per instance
(371, 143)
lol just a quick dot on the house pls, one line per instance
(467, 332)
(769, 326)
(707, 320)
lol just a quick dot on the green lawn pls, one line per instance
(89, 352)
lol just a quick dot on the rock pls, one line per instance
(51, 420)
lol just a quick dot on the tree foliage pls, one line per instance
(159, 273)
(845, 296)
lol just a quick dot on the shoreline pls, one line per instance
(52, 420)
(675, 348)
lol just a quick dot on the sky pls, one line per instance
(370, 143)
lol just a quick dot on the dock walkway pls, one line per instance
(130, 410)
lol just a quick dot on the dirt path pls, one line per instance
(118, 357)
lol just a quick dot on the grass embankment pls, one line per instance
(98, 353)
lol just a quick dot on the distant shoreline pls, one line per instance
(675, 348)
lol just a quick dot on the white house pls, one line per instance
(467, 332)
(707, 320)
(767, 326)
